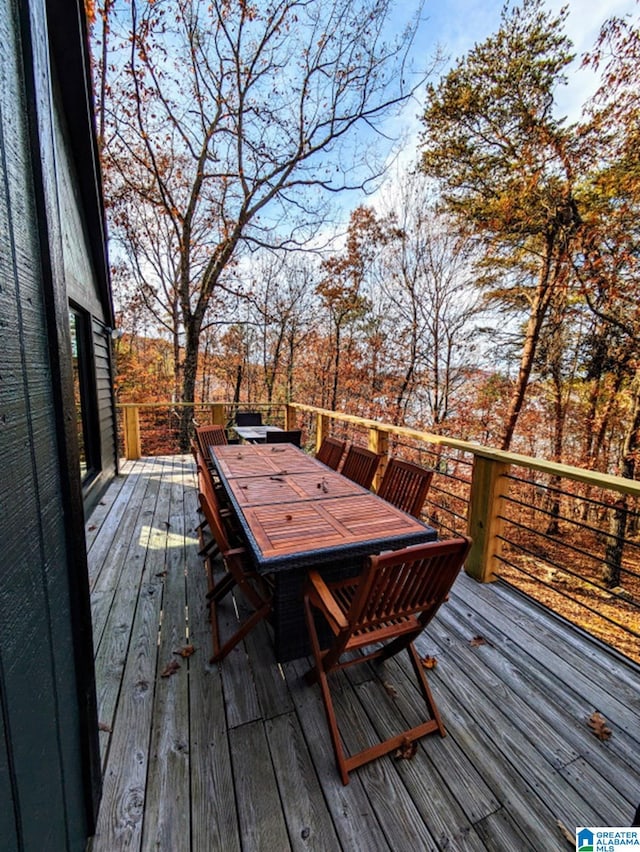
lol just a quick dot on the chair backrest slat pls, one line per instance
(406, 484)
(210, 436)
(211, 509)
(412, 581)
(330, 452)
(360, 465)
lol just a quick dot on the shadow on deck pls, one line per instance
(237, 756)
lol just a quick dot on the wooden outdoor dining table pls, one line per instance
(297, 514)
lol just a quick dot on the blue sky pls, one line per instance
(456, 25)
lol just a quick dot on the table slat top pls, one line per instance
(305, 528)
(285, 488)
(261, 460)
(296, 512)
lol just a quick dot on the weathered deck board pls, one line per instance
(237, 756)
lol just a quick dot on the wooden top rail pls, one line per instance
(578, 474)
(200, 404)
(602, 480)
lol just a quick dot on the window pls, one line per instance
(84, 393)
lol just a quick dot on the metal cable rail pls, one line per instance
(559, 517)
(559, 543)
(598, 613)
(564, 570)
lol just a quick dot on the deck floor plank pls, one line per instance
(167, 801)
(237, 756)
(560, 708)
(308, 818)
(550, 675)
(121, 815)
(214, 818)
(262, 824)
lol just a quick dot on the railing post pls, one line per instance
(289, 417)
(322, 429)
(218, 417)
(132, 449)
(379, 443)
(488, 486)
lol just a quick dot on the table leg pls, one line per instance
(290, 631)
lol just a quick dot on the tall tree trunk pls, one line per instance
(336, 370)
(553, 527)
(537, 314)
(190, 369)
(620, 514)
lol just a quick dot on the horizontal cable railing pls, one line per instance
(567, 537)
(575, 551)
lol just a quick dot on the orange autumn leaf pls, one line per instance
(598, 725)
(407, 750)
(170, 669)
(185, 651)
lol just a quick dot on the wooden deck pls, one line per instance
(237, 757)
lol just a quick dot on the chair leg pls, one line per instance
(319, 674)
(346, 763)
(426, 690)
(221, 652)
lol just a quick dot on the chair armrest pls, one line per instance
(323, 599)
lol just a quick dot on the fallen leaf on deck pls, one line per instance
(185, 651)
(161, 574)
(429, 662)
(393, 692)
(570, 836)
(598, 725)
(170, 669)
(479, 640)
(91, 528)
(102, 726)
(407, 750)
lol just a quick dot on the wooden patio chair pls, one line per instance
(360, 465)
(210, 436)
(391, 602)
(208, 485)
(248, 418)
(238, 574)
(406, 484)
(330, 452)
(287, 436)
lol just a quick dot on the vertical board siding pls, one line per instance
(104, 395)
(42, 795)
(28, 685)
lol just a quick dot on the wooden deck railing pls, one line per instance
(567, 536)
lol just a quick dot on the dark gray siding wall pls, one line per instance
(48, 785)
(104, 394)
(80, 279)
